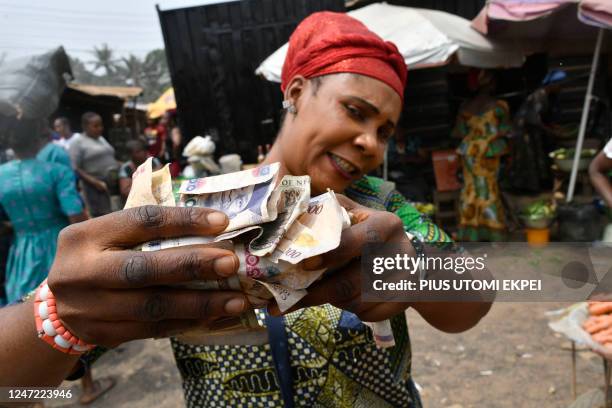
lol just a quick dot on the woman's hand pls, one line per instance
(342, 287)
(107, 293)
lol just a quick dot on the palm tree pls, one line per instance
(131, 70)
(104, 59)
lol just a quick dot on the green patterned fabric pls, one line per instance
(334, 359)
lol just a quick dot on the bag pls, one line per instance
(31, 87)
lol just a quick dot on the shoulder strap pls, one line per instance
(279, 346)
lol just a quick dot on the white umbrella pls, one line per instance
(424, 37)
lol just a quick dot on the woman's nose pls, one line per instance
(367, 142)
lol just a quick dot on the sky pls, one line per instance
(127, 26)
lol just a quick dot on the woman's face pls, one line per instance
(341, 129)
(95, 127)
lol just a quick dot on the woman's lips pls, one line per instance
(340, 170)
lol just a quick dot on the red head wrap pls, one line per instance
(329, 43)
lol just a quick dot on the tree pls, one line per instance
(104, 59)
(130, 70)
(150, 72)
(81, 73)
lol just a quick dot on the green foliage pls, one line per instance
(150, 73)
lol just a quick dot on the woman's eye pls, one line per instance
(385, 135)
(354, 112)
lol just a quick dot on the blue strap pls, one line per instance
(279, 346)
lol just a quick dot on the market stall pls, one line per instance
(555, 26)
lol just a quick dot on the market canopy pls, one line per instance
(424, 37)
(556, 26)
(121, 92)
(163, 104)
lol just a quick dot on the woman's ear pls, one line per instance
(295, 90)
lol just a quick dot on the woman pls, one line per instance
(599, 170)
(39, 199)
(534, 128)
(343, 89)
(483, 123)
(93, 158)
(174, 152)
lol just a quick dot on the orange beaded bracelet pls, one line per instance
(50, 328)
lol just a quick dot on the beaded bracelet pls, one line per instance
(50, 328)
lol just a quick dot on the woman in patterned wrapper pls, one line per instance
(343, 90)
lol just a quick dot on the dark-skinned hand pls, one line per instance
(107, 293)
(341, 286)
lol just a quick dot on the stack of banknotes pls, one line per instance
(274, 225)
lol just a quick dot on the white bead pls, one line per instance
(76, 347)
(42, 310)
(48, 328)
(60, 341)
(44, 292)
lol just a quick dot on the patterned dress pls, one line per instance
(482, 216)
(334, 360)
(37, 197)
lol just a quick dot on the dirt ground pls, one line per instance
(511, 359)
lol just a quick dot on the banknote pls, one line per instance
(150, 187)
(271, 231)
(315, 232)
(294, 194)
(246, 196)
(166, 243)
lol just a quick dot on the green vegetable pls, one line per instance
(537, 210)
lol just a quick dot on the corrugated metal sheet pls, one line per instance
(212, 55)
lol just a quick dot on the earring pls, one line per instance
(289, 106)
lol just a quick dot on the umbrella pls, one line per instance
(552, 25)
(163, 104)
(425, 38)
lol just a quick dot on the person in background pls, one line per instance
(174, 152)
(531, 137)
(483, 124)
(93, 158)
(138, 154)
(155, 135)
(39, 199)
(53, 152)
(61, 126)
(599, 169)
(6, 235)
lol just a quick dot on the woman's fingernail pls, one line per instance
(225, 266)
(313, 263)
(235, 306)
(216, 219)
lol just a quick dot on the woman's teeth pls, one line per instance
(343, 164)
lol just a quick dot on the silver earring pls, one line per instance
(289, 106)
